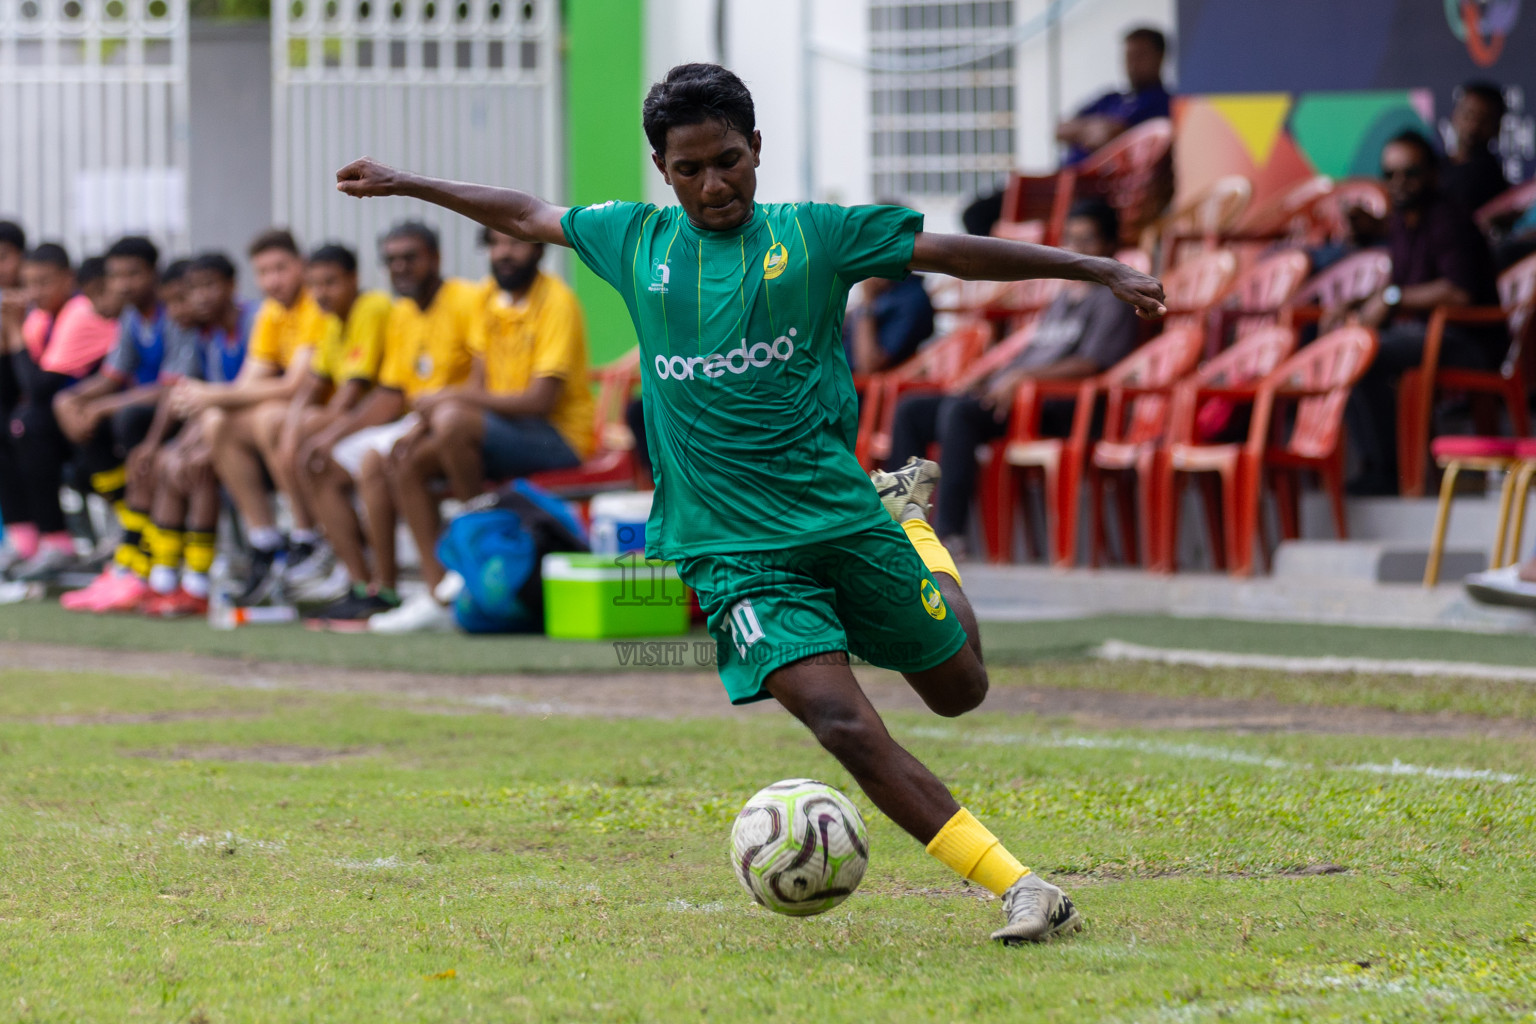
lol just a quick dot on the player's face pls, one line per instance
(131, 279)
(176, 297)
(333, 288)
(1475, 121)
(514, 262)
(208, 296)
(1081, 234)
(47, 287)
(1143, 64)
(279, 275)
(108, 303)
(411, 265)
(713, 171)
(10, 266)
(1407, 173)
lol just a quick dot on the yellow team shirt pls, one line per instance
(280, 331)
(428, 350)
(352, 351)
(544, 336)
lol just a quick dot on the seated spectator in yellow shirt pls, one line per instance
(526, 408)
(244, 420)
(341, 373)
(426, 349)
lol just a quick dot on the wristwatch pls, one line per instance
(1392, 295)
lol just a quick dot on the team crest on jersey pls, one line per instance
(933, 601)
(661, 276)
(774, 261)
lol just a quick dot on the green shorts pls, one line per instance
(868, 594)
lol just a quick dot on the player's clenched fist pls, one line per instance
(368, 177)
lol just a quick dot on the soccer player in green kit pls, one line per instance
(751, 414)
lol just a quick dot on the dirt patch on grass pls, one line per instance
(266, 753)
(698, 694)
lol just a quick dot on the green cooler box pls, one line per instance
(602, 597)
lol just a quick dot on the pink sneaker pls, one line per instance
(81, 600)
(125, 594)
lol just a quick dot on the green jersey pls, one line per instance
(750, 409)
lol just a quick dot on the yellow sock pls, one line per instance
(199, 550)
(934, 554)
(134, 523)
(965, 845)
(165, 544)
(110, 484)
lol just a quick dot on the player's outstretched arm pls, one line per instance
(501, 209)
(976, 258)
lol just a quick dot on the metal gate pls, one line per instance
(462, 89)
(93, 97)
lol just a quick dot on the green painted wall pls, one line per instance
(605, 147)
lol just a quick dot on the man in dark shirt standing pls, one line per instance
(1473, 173)
(1082, 332)
(1114, 112)
(887, 327)
(1439, 258)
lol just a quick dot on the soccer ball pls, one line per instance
(799, 847)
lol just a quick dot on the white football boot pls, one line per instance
(905, 492)
(1036, 911)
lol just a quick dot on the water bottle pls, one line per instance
(221, 607)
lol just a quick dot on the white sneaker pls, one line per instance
(323, 589)
(904, 493)
(420, 613)
(1036, 911)
(1501, 586)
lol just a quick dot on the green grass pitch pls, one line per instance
(178, 851)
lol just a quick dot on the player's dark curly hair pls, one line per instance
(694, 94)
(135, 247)
(413, 229)
(50, 254)
(337, 255)
(1105, 220)
(216, 263)
(11, 234)
(177, 271)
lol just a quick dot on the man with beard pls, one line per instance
(525, 408)
(426, 349)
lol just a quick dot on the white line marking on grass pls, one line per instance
(371, 865)
(1119, 650)
(1203, 752)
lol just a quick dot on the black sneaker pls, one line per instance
(264, 580)
(351, 613)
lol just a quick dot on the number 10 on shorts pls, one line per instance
(745, 629)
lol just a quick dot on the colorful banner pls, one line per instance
(1382, 49)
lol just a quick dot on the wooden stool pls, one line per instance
(1479, 454)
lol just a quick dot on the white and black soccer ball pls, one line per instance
(799, 847)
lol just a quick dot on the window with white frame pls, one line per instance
(941, 93)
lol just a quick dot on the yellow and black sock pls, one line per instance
(199, 550)
(111, 484)
(130, 554)
(965, 846)
(165, 545)
(933, 553)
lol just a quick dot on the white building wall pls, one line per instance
(763, 44)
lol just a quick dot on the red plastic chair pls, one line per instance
(1134, 421)
(1318, 378)
(1195, 287)
(1416, 390)
(1506, 206)
(1354, 278)
(1200, 225)
(1330, 213)
(1257, 297)
(1284, 217)
(934, 368)
(1060, 460)
(1133, 172)
(611, 466)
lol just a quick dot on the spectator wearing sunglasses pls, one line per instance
(1439, 258)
